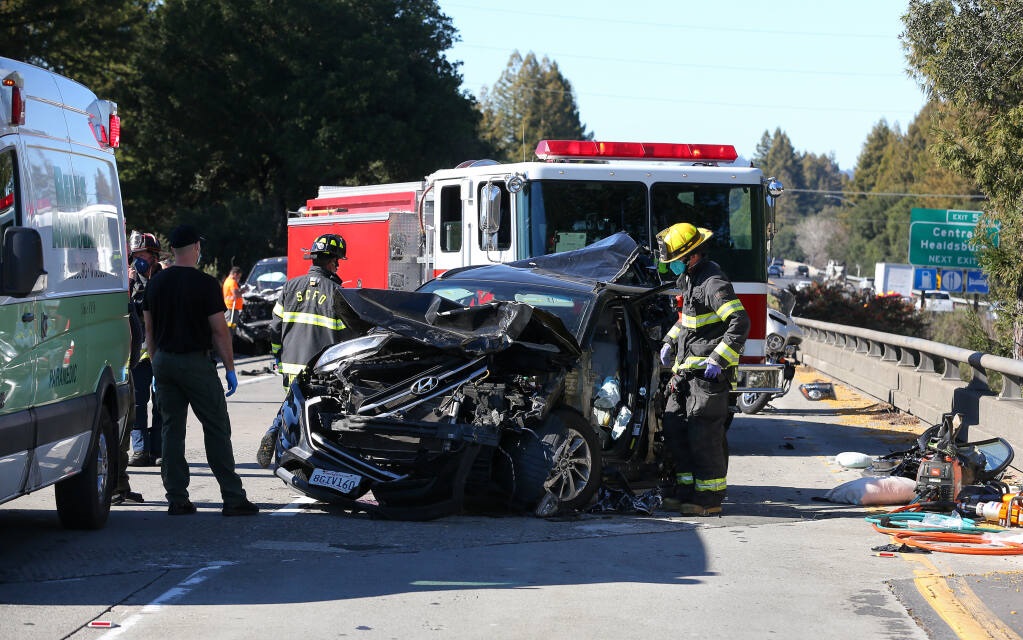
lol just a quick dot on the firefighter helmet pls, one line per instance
(680, 240)
(329, 244)
(139, 242)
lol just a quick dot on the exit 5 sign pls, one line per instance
(945, 238)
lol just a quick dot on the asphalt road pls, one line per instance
(778, 564)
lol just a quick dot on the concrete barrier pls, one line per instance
(910, 385)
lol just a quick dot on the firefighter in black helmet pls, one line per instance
(702, 349)
(310, 314)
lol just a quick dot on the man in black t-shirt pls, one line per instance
(184, 318)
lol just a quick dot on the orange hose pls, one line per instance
(947, 541)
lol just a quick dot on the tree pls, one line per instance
(89, 41)
(814, 235)
(966, 54)
(531, 101)
(243, 107)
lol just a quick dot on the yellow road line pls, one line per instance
(957, 604)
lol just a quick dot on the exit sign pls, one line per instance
(945, 238)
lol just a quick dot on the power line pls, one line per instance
(890, 194)
(712, 67)
(579, 17)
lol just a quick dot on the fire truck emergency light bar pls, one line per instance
(580, 149)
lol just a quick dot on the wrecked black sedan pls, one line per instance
(512, 384)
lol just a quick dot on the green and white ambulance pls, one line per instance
(64, 336)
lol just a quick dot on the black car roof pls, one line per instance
(604, 261)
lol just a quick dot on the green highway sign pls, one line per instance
(944, 238)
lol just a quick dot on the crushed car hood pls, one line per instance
(441, 323)
(607, 260)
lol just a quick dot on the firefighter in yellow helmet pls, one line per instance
(702, 349)
(310, 315)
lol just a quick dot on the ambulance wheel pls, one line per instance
(562, 457)
(83, 500)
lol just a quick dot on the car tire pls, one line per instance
(562, 456)
(83, 500)
(750, 403)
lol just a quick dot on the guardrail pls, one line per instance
(919, 376)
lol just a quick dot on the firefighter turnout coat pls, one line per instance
(713, 322)
(309, 315)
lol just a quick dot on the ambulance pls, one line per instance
(64, 335)
(575, 193)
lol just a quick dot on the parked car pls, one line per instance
(803, 271)
(775, 270)
(509, 383)
(934, 300)
(260, 291)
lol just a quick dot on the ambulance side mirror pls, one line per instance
(22, 266)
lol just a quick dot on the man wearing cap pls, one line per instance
(702, 349)
(309, 316)
(184, 316)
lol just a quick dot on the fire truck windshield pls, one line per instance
(562, 215)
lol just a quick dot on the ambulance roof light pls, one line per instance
(595, 150)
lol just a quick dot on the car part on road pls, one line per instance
(817, 391)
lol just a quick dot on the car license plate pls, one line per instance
(343, 482)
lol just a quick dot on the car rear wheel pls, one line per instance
(562, 458)
(83, 500)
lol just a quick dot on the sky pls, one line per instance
(718, 71)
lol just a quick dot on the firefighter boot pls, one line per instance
(690, 509)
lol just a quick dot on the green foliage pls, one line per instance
(244, 107)
(89, 41)
(964, 329)
(834, 303)
(966, 53)
(531, 101)
(807, 178)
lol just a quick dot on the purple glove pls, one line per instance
(713, 369)
(666, 358)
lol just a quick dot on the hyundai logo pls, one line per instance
(425, 385)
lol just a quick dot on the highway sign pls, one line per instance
(976, 282)
(925, 278)
(944, 238)
(952, 280)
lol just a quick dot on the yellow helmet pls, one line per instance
(679, 240)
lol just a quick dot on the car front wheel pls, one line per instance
(561, 458)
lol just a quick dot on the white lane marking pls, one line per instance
(293, 507)
(250, 380)
(174, 593)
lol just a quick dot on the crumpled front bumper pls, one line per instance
(406, 496)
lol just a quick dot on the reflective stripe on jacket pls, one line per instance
(713, 322)
(309, 315)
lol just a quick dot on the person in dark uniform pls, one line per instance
(309, 316)
(701, 348)
(184, 317)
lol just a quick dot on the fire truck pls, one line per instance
(576, 192)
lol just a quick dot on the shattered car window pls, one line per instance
(569, 308)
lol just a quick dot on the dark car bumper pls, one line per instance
(425, 490)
